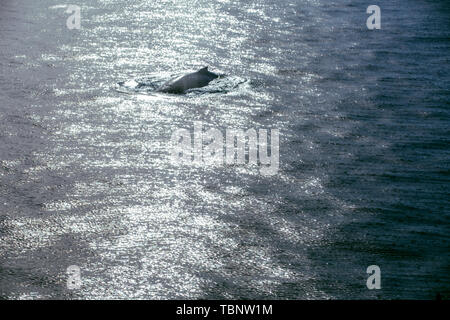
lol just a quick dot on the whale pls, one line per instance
(198, 79)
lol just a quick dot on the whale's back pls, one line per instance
(196, 79)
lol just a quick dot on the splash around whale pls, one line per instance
(189, 84)
(198, 79)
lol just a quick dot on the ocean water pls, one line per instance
(85, 171)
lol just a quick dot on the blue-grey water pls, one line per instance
(86, 178)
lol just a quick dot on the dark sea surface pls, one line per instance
(86, 178)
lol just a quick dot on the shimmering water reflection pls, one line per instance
(86, 178)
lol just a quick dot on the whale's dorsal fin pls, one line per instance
(203, 70)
